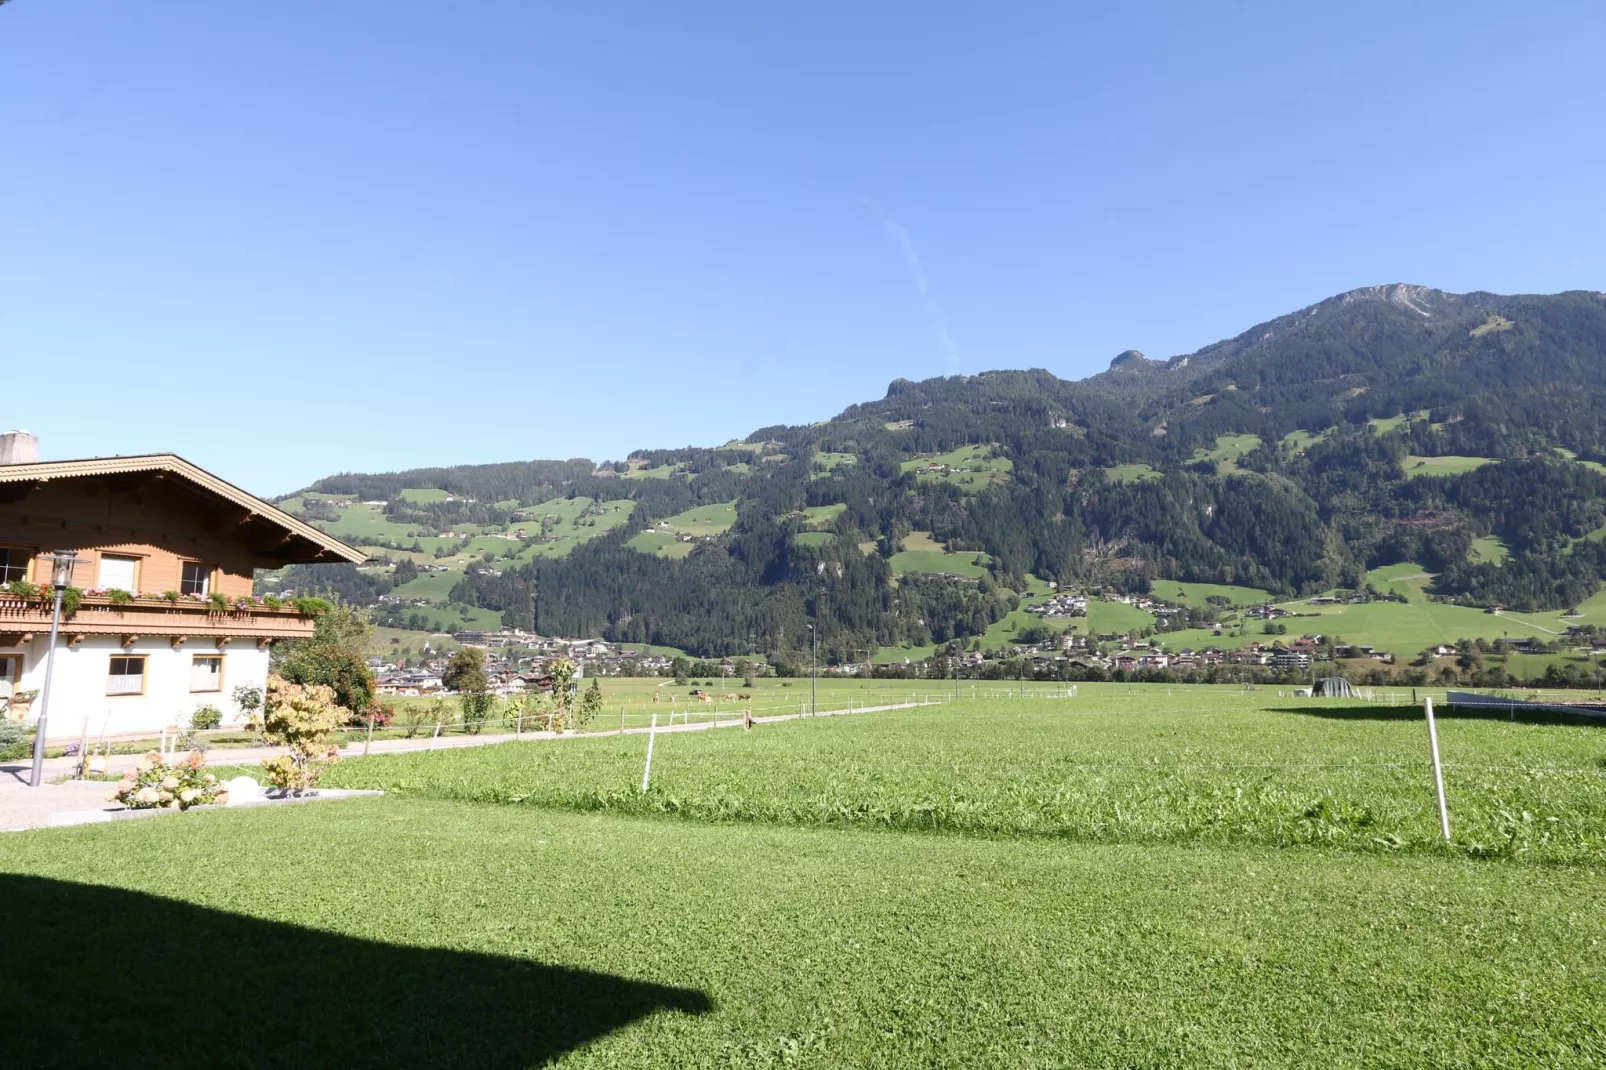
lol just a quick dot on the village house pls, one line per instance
(162, 555)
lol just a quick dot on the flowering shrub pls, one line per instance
(300, 716)
(153, 783)
(24, 590)
(382, 713)
(205, 717)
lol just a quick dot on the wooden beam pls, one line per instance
(224, 640)
(129, 640)
(179, 641)
(73, 639)
(263, 642)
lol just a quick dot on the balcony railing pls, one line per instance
(97, 615)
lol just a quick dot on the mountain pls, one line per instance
(1462, 432)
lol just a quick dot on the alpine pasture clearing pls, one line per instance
(922, 553)
(1130, 473)
(1227, 450)
(1446, 465)
(1192, 877)
(971, 468)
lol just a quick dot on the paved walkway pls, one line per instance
(24, 807)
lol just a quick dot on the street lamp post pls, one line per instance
(814, 676)
(61, 564)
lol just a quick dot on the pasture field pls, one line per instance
(1447, 465)
(830, 462)
(1130, 473)
(1227, 450)
(921, 553)
(813, 538)
(822, 516)
(1300, 441)
(972, 468)
(1198, 595)
(701, 522)
(660, 544)
(1137, 876)
(1138, 765)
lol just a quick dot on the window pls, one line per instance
(14, 563)
(119, 572)
(197, 579)
(126, 676)
(206, 672)
(10, 671)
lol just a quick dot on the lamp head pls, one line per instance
(61, 566)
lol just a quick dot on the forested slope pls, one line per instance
(1385, 425)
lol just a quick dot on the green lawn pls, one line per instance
(830, 462)
(1383, 425)
(822, 516)
(1441, 466)
(1130, 473)
(1106, 617)
(720, 945)
(1198, 595)
(705, 520)
(1138, 876)
(1571, 456)
(972, 468)
(423, 495)
(921, 553)
(1227, 451)
(435, 586)
(1490, 548)
(660, 544)
(1300, 441)
(639, 470)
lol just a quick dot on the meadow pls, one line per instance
(1187, 877)
(922, 553)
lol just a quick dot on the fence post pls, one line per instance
(370, 738)
(621, 720)
(436, 736)
(1438, 769)
(652, 737)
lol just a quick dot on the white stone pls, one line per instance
(243, 790)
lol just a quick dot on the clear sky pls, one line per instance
(292, 238)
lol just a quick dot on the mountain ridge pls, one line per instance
(1384, 423)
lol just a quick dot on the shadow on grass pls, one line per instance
(1348, 711)
(101, 977)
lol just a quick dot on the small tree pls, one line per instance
(562, 672)
(301, 717)
(465, 674)
(590, 704)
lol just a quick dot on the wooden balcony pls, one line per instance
(153, 616)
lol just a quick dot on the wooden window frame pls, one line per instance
(139, 567)
(211, 575)
(144, 675)
(15, 681)
(32, 552)
(222, 668)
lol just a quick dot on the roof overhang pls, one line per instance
(329, 548)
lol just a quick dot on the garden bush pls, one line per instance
(205, 717)
(16, 740)
(155, 784)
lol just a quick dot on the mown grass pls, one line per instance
(811, 948)
(1197, 767)
(921, 553)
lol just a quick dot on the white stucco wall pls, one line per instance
(79, 686)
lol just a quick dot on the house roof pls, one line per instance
(48, 471)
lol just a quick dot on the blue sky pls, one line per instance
(296, 238)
